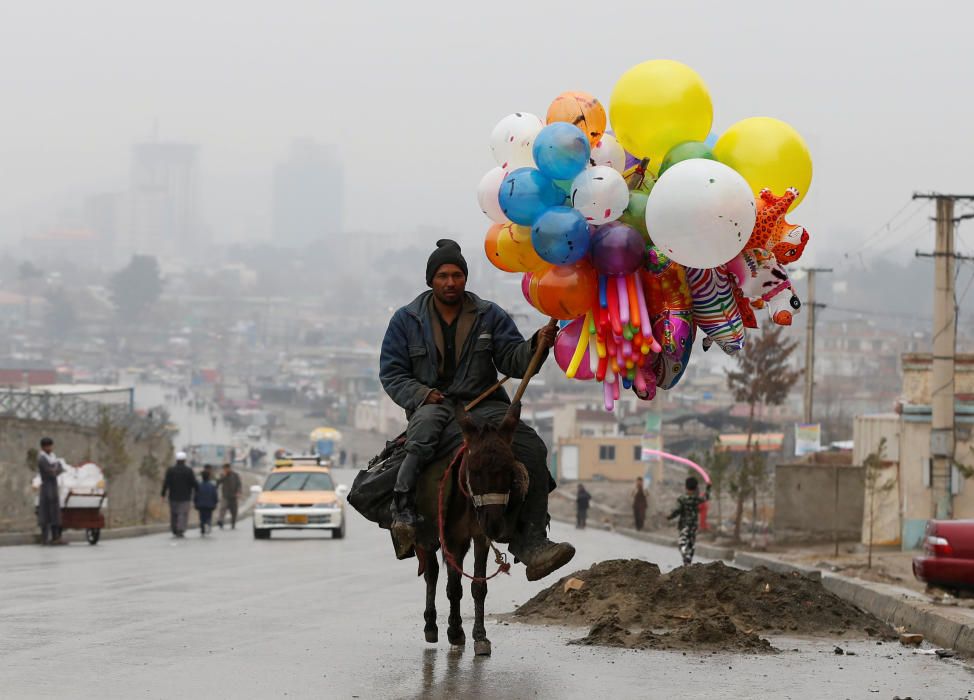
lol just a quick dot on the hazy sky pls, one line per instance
(408, 92)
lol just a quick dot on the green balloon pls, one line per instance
(635, 214)
(686, 151)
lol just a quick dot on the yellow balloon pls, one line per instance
(768, 153)
(515, 250)
(658, 104)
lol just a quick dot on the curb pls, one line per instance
(705, 550)
(948, 628)
(748, 560)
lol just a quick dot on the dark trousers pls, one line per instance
(581, 515)
(434, 426)
(206, 518)
(639, 517)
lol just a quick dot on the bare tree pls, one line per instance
(763, 376)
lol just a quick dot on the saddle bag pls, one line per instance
(371, 492)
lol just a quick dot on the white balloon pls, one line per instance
(608, 151)
(601, 194)
(512, 139)
(700, 213)
(487, 191)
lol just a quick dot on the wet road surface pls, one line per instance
(303, 616)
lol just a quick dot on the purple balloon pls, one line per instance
(617, 249)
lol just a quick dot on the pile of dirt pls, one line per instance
(630, 604)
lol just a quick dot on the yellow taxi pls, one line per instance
(299, 494)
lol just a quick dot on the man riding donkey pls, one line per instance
(447, 346)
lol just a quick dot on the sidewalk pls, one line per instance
(945, 626)
(117, 533)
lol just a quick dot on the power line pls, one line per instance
(885, 226)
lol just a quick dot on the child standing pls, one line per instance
(687, 507)
(206, 501)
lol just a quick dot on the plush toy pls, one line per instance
(772, 232)
(761, 281)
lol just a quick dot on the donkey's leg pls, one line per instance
(454, 591)
(431, 574)
(478, 589)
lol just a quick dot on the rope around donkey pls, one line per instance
(499, 557)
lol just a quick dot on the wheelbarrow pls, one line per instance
(82, 511)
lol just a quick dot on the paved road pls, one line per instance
(303, 617)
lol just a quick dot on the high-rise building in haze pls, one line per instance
(308, 194)
(164, 199)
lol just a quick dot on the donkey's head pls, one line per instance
(492, 475)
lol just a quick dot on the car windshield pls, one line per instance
(299, 481)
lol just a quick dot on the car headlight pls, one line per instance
(262, 506)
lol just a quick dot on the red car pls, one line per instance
(948, 555)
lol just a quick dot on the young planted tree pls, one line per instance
(717, 462)
(874, 464)
(763, 377)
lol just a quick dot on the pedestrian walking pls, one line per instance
(206, 500)
(48, 500)
(688, 509)
(354, 458)
(179, 485)
(230, 492)
(342, 455)
(582, 500)
(639, 504)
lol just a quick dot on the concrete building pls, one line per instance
(164, 200)
(308, 195)
(902, 500)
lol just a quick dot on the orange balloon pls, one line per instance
(490, 248)
(566, 291)
(515, 250)
(582, 110)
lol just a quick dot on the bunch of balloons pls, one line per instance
(639, 236)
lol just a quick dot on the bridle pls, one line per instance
(479, 500)
(499, 557)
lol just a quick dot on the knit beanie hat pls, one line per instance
(447, 253)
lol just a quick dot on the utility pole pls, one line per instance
(811, 305)
(944, 344)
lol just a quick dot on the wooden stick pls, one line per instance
(497, 385)
(532, 366)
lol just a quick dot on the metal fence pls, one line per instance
(63, 408)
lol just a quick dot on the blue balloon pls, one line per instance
(561, 151)
(711, 140)
(561, 236)
(526, 193)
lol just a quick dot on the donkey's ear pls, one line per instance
(467, 425)
(511, 419)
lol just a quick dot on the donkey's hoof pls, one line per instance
(481, 647)
(432, 635)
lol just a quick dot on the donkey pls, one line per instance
(487, 490)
